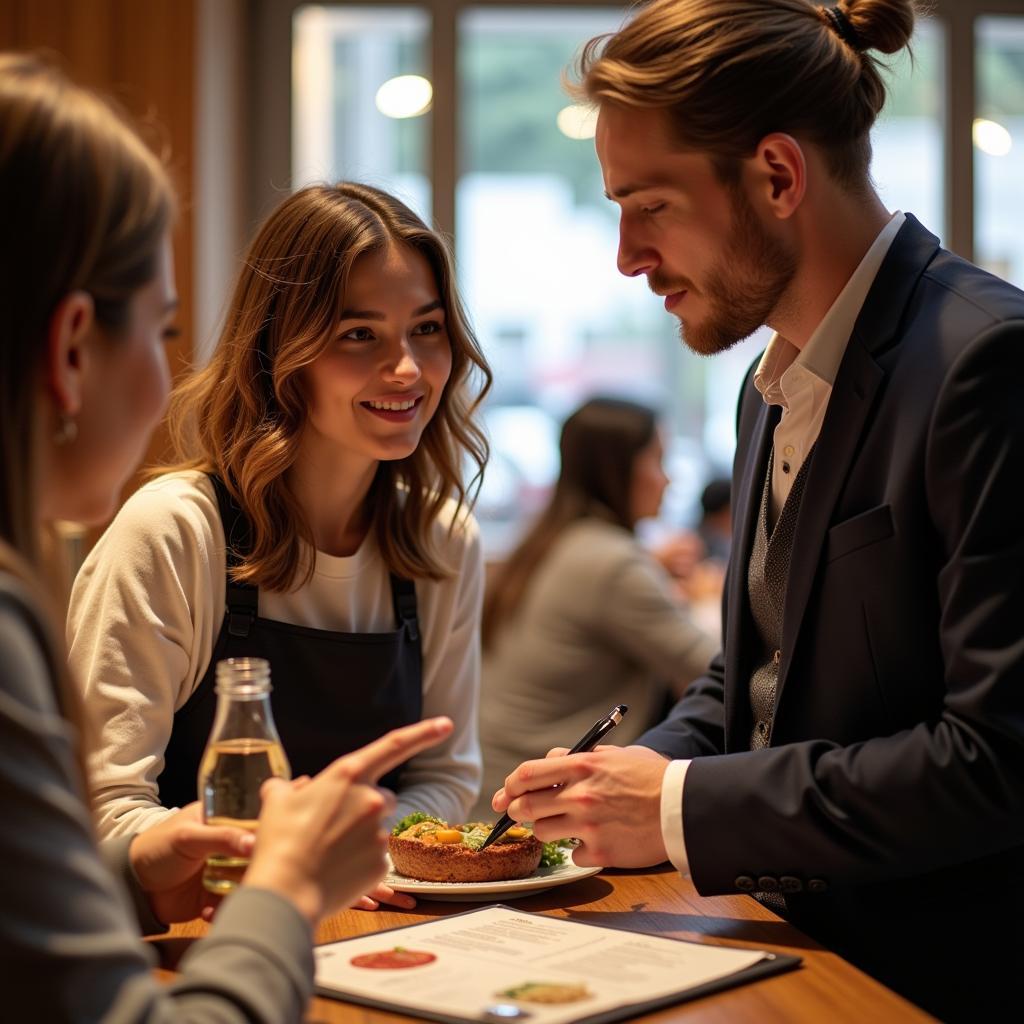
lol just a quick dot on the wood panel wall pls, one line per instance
(143, 54)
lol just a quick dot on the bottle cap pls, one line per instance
(243, 677)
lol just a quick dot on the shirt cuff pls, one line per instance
(115, 854)
(672, 815)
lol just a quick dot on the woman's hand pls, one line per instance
(168, 860)
(321, 845)
(385, 894)
(680, 554)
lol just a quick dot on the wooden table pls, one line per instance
(661, 902)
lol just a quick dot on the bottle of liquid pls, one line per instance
(243, 751)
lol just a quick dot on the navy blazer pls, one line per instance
(889, 807)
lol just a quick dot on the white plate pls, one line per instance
(541, 879)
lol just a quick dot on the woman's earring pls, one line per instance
(67, 431)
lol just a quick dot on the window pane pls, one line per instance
(908, 137)
(999, 147)
(341, 56)
(537, 242)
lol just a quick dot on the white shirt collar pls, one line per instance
(824, 350)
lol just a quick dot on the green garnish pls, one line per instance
(475, 837)
(414, 819)
(518, 990)
(554, 853)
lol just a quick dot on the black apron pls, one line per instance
(332, 692)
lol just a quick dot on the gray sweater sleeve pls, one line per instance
(114, 853)
(69, 948)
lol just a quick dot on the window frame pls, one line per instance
(270, 95)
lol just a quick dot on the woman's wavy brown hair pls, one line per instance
(730, 72)
(242, 416)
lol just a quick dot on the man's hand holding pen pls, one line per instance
(587, 742)
(608, 798)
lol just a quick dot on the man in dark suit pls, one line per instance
(855, 756)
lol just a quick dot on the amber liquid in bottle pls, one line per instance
(234, 766)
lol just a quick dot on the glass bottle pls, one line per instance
(242, 752)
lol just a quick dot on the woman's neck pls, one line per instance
(332, 491)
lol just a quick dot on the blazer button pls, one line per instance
(745, 883)
(817, 885)
(768, 883)
(790, 884)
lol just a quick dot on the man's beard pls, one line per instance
(744, 287)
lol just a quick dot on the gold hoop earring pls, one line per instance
(67, 431)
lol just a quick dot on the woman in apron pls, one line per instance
(316, 516)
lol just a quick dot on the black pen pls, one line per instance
(589, 741)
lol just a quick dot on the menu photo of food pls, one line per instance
(395, 959)
(551, 992)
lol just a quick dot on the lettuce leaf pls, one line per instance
(414, 819)
(555, 853)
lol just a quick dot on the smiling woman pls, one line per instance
(317, 517)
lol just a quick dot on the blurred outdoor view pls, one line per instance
(999, 147)
(536, 239)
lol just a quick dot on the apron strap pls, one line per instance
(403, 593)
(241, 599)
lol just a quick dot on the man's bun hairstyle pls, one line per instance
(729, 72)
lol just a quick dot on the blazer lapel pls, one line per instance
(848, 415)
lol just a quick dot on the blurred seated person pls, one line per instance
(715, 528)
(696, 559)
(581, 617)
(703, 583)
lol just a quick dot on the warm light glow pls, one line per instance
(991, 137)
(578, 121)
(405, 96)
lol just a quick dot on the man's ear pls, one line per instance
(780, 172)
(67, 350)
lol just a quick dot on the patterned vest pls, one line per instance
(766, 590)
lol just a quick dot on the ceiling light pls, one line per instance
(578, 121)
(405, 96)
(991, 137)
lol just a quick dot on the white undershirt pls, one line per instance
(800, 381)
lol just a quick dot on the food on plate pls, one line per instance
(431, 850)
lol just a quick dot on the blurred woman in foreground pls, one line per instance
(86, 300)
(580, 617)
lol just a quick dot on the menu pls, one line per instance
(500, 964)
